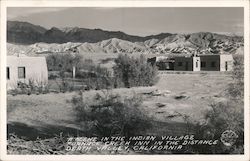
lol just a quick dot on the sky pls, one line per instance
(136, 21)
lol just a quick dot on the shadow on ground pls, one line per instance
(170, 128)
(32, 132)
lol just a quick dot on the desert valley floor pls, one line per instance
(175, 99)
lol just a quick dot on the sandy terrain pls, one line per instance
(174, 96)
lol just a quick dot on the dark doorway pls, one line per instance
(186, 66)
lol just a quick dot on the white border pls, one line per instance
(107, 3)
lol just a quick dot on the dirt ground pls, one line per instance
(174, 98)
(190, 94)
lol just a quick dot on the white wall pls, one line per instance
(35, 69)
(196, 59)
(223, 60)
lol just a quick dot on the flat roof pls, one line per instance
(212, 54)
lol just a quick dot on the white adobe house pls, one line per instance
(217, 62)
(206, 62)
(25, 69)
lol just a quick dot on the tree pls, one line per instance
(135, 71)
(110, 114)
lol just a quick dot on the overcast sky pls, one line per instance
(136, 21)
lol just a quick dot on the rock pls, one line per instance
(181, 96)
(160, 92)
(173, 114)
(160, 105)
(159, 112)
(53, 91)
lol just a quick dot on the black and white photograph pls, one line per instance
(125, 80)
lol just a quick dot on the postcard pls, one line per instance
(125, 80)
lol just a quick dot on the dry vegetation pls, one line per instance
(180, 103)
(175, 99)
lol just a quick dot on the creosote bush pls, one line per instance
(131, 72)
(221, 117)
(111, 114)
(30, 87)
(95, 77)
(236, 88)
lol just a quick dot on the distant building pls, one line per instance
(166, 64)
(187, 63)
(25, 69)
(216, 62)
(206, 62)
(163, 63)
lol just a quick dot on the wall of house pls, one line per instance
(196, 64)
(183, 64)
(210, 62)
(35, 69)
(226, 59)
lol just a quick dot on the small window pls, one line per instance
(213, 64)
(179, 63)
(197, 64)
(21, 72)
(203, 64)
(8, 73)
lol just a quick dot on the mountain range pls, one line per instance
(27, 33)
(27, 38)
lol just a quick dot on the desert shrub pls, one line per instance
(236, 88)
(63, 61)
(107, 60)
(31, 87)
(110, 114)
(91, 75)
(88, 69)
(65, 84)
(95, 76)
(57, 145)
(226, 115)
(221, 117)
(52, 146)
(62, 66)
(135, 71)
(98, 83)
(52, 75)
